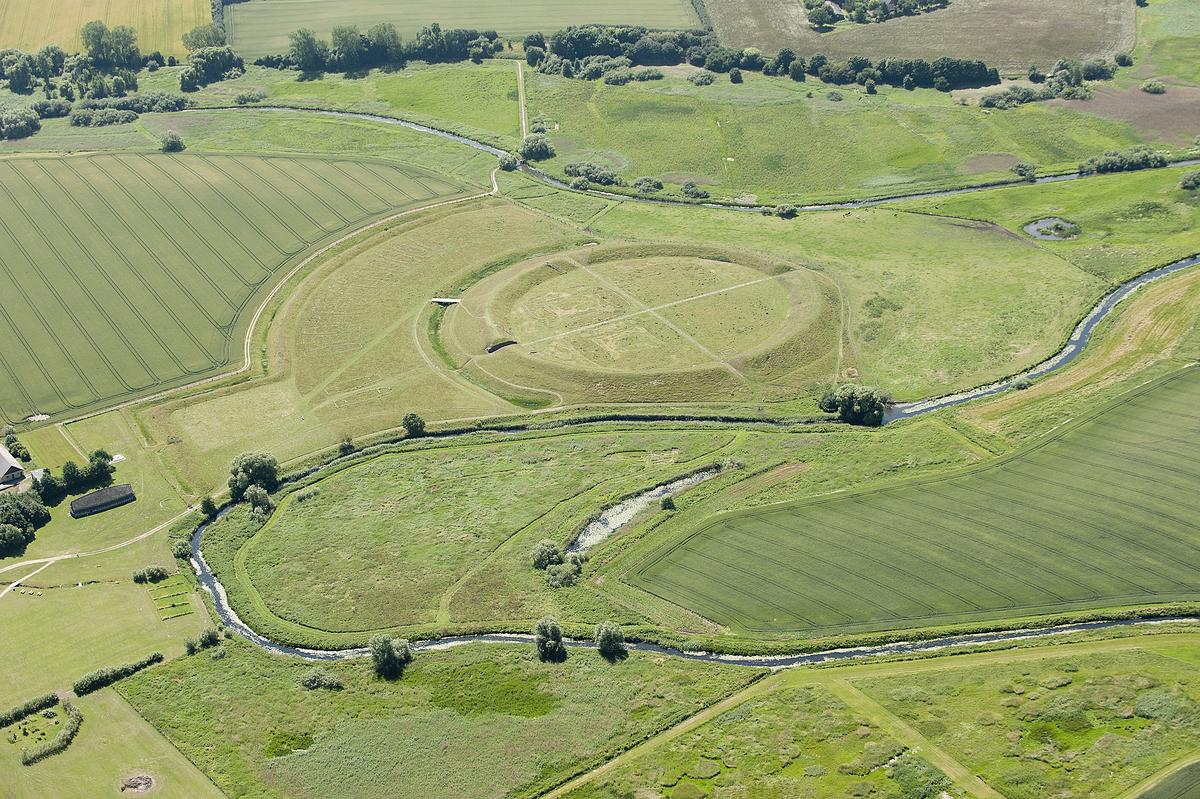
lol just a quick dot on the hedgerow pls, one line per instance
(102, 678)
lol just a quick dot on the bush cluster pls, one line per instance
(19, 123)
(1190, 181)
(562, 568)
(208, 65)
(150, 574)
(1067, 81)
(1135, 158)
(250, 96)
(593, 173)
(59, 742)
(205, 640)
(13, 715)
(318, 679)
(252, 469)
(855, 404)
(102, 678)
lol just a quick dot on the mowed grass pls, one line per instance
(262, 26)
(113, 744)
(767, 139)
(131, 273)
(160, 24)
(344, 352)
(476, 100)
(480, 721)
(1100, 516)
(107, 624)
(1009, 34)
(649, 324)
(1169, 39)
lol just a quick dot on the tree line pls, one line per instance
(822, 16)
(350, 50)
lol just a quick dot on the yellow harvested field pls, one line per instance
(29, 24)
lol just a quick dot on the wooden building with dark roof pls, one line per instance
(102, 500)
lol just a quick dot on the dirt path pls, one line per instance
(521, 98)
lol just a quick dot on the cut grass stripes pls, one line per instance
(1088, 518)
(129, 273)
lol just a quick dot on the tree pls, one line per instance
(855, 404)
(548, 638)
(414, 425)
(546, 553)
(13, 539)
(260, 500)
(610, 640)
(307, 52)
(346, 445)
(536, 147)
(1123, 59)
(94, 36)
(204, 36)
(389, 656)
(252, 468)
(667, 502)
(384, 44)
(1025, 171)
(208, 507)
(349, 47)
(509, 162)
(534, 56)
(99, 469)
(72, 476)
(821, 17)
(171, 142)
(1190, 182)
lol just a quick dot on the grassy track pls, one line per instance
(29, 24)
(259, 26)
(1099, 516)
(131, 273)
(1010, 34)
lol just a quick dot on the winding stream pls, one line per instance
(616, 517)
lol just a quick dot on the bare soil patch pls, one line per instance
(138, 783)
(1173, 117)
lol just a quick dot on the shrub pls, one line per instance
(834, 96)
(610, 640)
(667, 502)
(855, 404)
(1140, 157)
(13, 715)
(509, 162)
(702, 78)
(172, 142)
(150, 574)
(389, 656)
(566, 573)
(618, 77)
(307, 494)
(1154, 87)
(182, 549)
(735, 75)
(869, 85)
(102, 678)
(536, 147)
(647, 73)
(1027, 172)
(18, 123)
(50, 109)
(546, 553)
(548, 638)
(580, 184)
(260, 500)
(414, 425)
(59, 742)
(1190, 181)
(690, 189)
(1022, 383)
(785, 211)
(648, 185)
(318, 679)
(1123, 59)
(250, 96)
(13, 539)
(208, 507)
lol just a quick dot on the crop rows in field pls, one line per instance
(1103, 515)
(125, 273)
(259, 27)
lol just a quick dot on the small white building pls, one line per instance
(11, 471)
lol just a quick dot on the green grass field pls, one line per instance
(131, 273)
(767, 139)
(476, 100)
(1097, 516)
(329, 562)
(1009, 34)
(648, 324)
(521, 725)
(29, 24)
(1082, 719)
(113, 744)
(262, 26)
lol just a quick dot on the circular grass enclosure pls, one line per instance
(647, 324)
